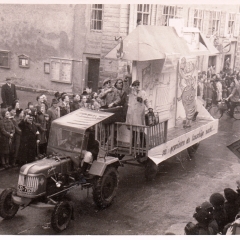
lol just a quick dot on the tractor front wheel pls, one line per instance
(8, 208)
(61, 216)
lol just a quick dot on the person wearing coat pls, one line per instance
(64, 107)
(109, 94)
(16, 118)
(30, 138)
(124, 98)
(84, 102)
(136, 105)
(136, 112)
(8, 93)
(53, 111)
(7, 130)
(75, 104)
(42, 126)
(17, 136)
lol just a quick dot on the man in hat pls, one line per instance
(8, 93)
(53, 111)
(109, 94)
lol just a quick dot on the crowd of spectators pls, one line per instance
(215, 87)
(24, 130)
(219, 215)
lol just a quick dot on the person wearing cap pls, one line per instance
(8, 92)
(136, 105)
(109, 95)
(123, 96)
(53, 111)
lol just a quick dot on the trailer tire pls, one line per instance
(8, 208)
(151, 170)
(105, 188)
(192, 150)
(61, 216)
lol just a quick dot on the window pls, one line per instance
(46, 67)
(198, 18)
(96, 16)
(4, 59)
(143, 13)
(231, 20)
(168, 12)
(214, 23)
(23, 61)
(61, 70)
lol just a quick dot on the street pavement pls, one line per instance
(143, 208)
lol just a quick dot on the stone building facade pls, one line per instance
(62, 47)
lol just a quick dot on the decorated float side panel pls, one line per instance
(187, 89)
(159, 81)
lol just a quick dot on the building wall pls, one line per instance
(63, 31)
(40, 32)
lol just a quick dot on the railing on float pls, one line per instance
(142, 138)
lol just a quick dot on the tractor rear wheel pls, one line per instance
(8, 208)
(105, 188)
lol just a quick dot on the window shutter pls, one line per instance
(159, 15)
(190, 17)
(236, 25)
(223, 24)
(153, 14)
(179, 13)
(132, 17)
(206, 22)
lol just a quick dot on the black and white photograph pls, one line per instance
(120, 118)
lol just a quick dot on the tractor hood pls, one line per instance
(47, 167)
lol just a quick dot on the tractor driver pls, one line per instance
(91, 152)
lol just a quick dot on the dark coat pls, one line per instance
(232, 210)
(40, 119)
(74, 105)
(6, 128)
(28, 145)
(9, 94)
(64, 110)
(17, 137)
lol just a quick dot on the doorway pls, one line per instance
(93, 73)
(212, 60)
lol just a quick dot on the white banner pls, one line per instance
(178, 144)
